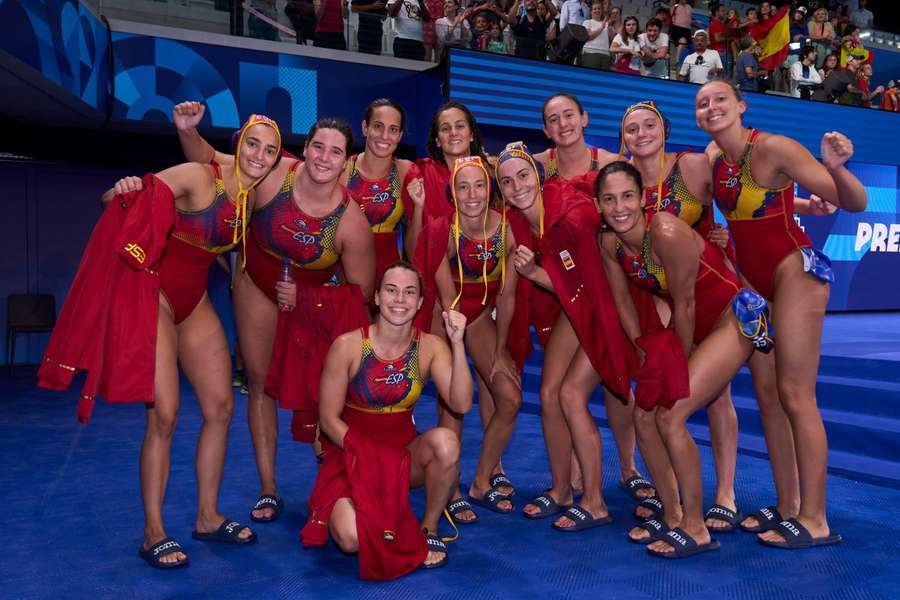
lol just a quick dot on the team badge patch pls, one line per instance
(567, 261)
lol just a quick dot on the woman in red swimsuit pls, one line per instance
(586, 343)
(571, 158)
(209, 217)
(470, 269)
(667, 258)
(453, 134)
(302, 214)
(754, 175)
(680, 184)
(388, 189)
(372, 379)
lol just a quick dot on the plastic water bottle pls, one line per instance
(286, 271)
(285, 277)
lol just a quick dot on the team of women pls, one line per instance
(360, 278)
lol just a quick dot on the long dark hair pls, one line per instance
(333, 123)
(378, 103)
(624, 33)
(476, 147)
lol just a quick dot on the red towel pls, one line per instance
(373, 470)
(663, 379)
(302, 340)
(571, 257)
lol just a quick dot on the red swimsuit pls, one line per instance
(196, 239)
(281, 230)
(760, 219)
(714, 288)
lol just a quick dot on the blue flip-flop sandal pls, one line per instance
(229, 532)
(491, 501)
(582, 519)
(683, 545)
(796, 536)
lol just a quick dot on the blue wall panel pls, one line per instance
(506, 91)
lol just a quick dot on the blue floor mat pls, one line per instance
(72, 521)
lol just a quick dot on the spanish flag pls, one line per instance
(774, 36)
(857, 50)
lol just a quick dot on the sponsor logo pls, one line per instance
(394, 379)
(304, 239)
(136, 251)
(881, 237)
(567, 261)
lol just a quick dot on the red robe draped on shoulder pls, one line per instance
(107, 326)
(572, 259)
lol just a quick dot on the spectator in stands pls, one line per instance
(330, 15)
(830, 64)
(451, 30)
(654, 51)
(496, 43)
(481, 27)
(662, 13)
(627, 48)
(595, 53)
(369, 29)
(840, 20)
(840, 84)
(799, 35)
(717, 32)
(302, 15)
(408, 16)
(702, 63)
(259, 28)
(529, 28)
(575, 12)
(799, 28)
(803, 74)
(615, 22)
(680, 30)
(891, 100)
(765, 12)
(429, 37)
(864, 78)
(851, 44)
(862, 17)
(733, 35)
(747, 73)
(751, 18)
(821, 33)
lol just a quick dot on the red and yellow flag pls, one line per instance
(855, 49)
(774, 36)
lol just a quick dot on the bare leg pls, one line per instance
(342, 526)
(723, 429)
(257, 317)
(451, 420)
(779, 438)
(579, 383)
(162, 416)
(480, 342)
(561, 347)
(203, 353)
(435, 464)
(712, 365)
(657, 458)
(798, 313)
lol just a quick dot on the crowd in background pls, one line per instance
(826, 60)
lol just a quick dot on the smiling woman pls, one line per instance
(176, 222)
(300, 216)
(388, 189)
